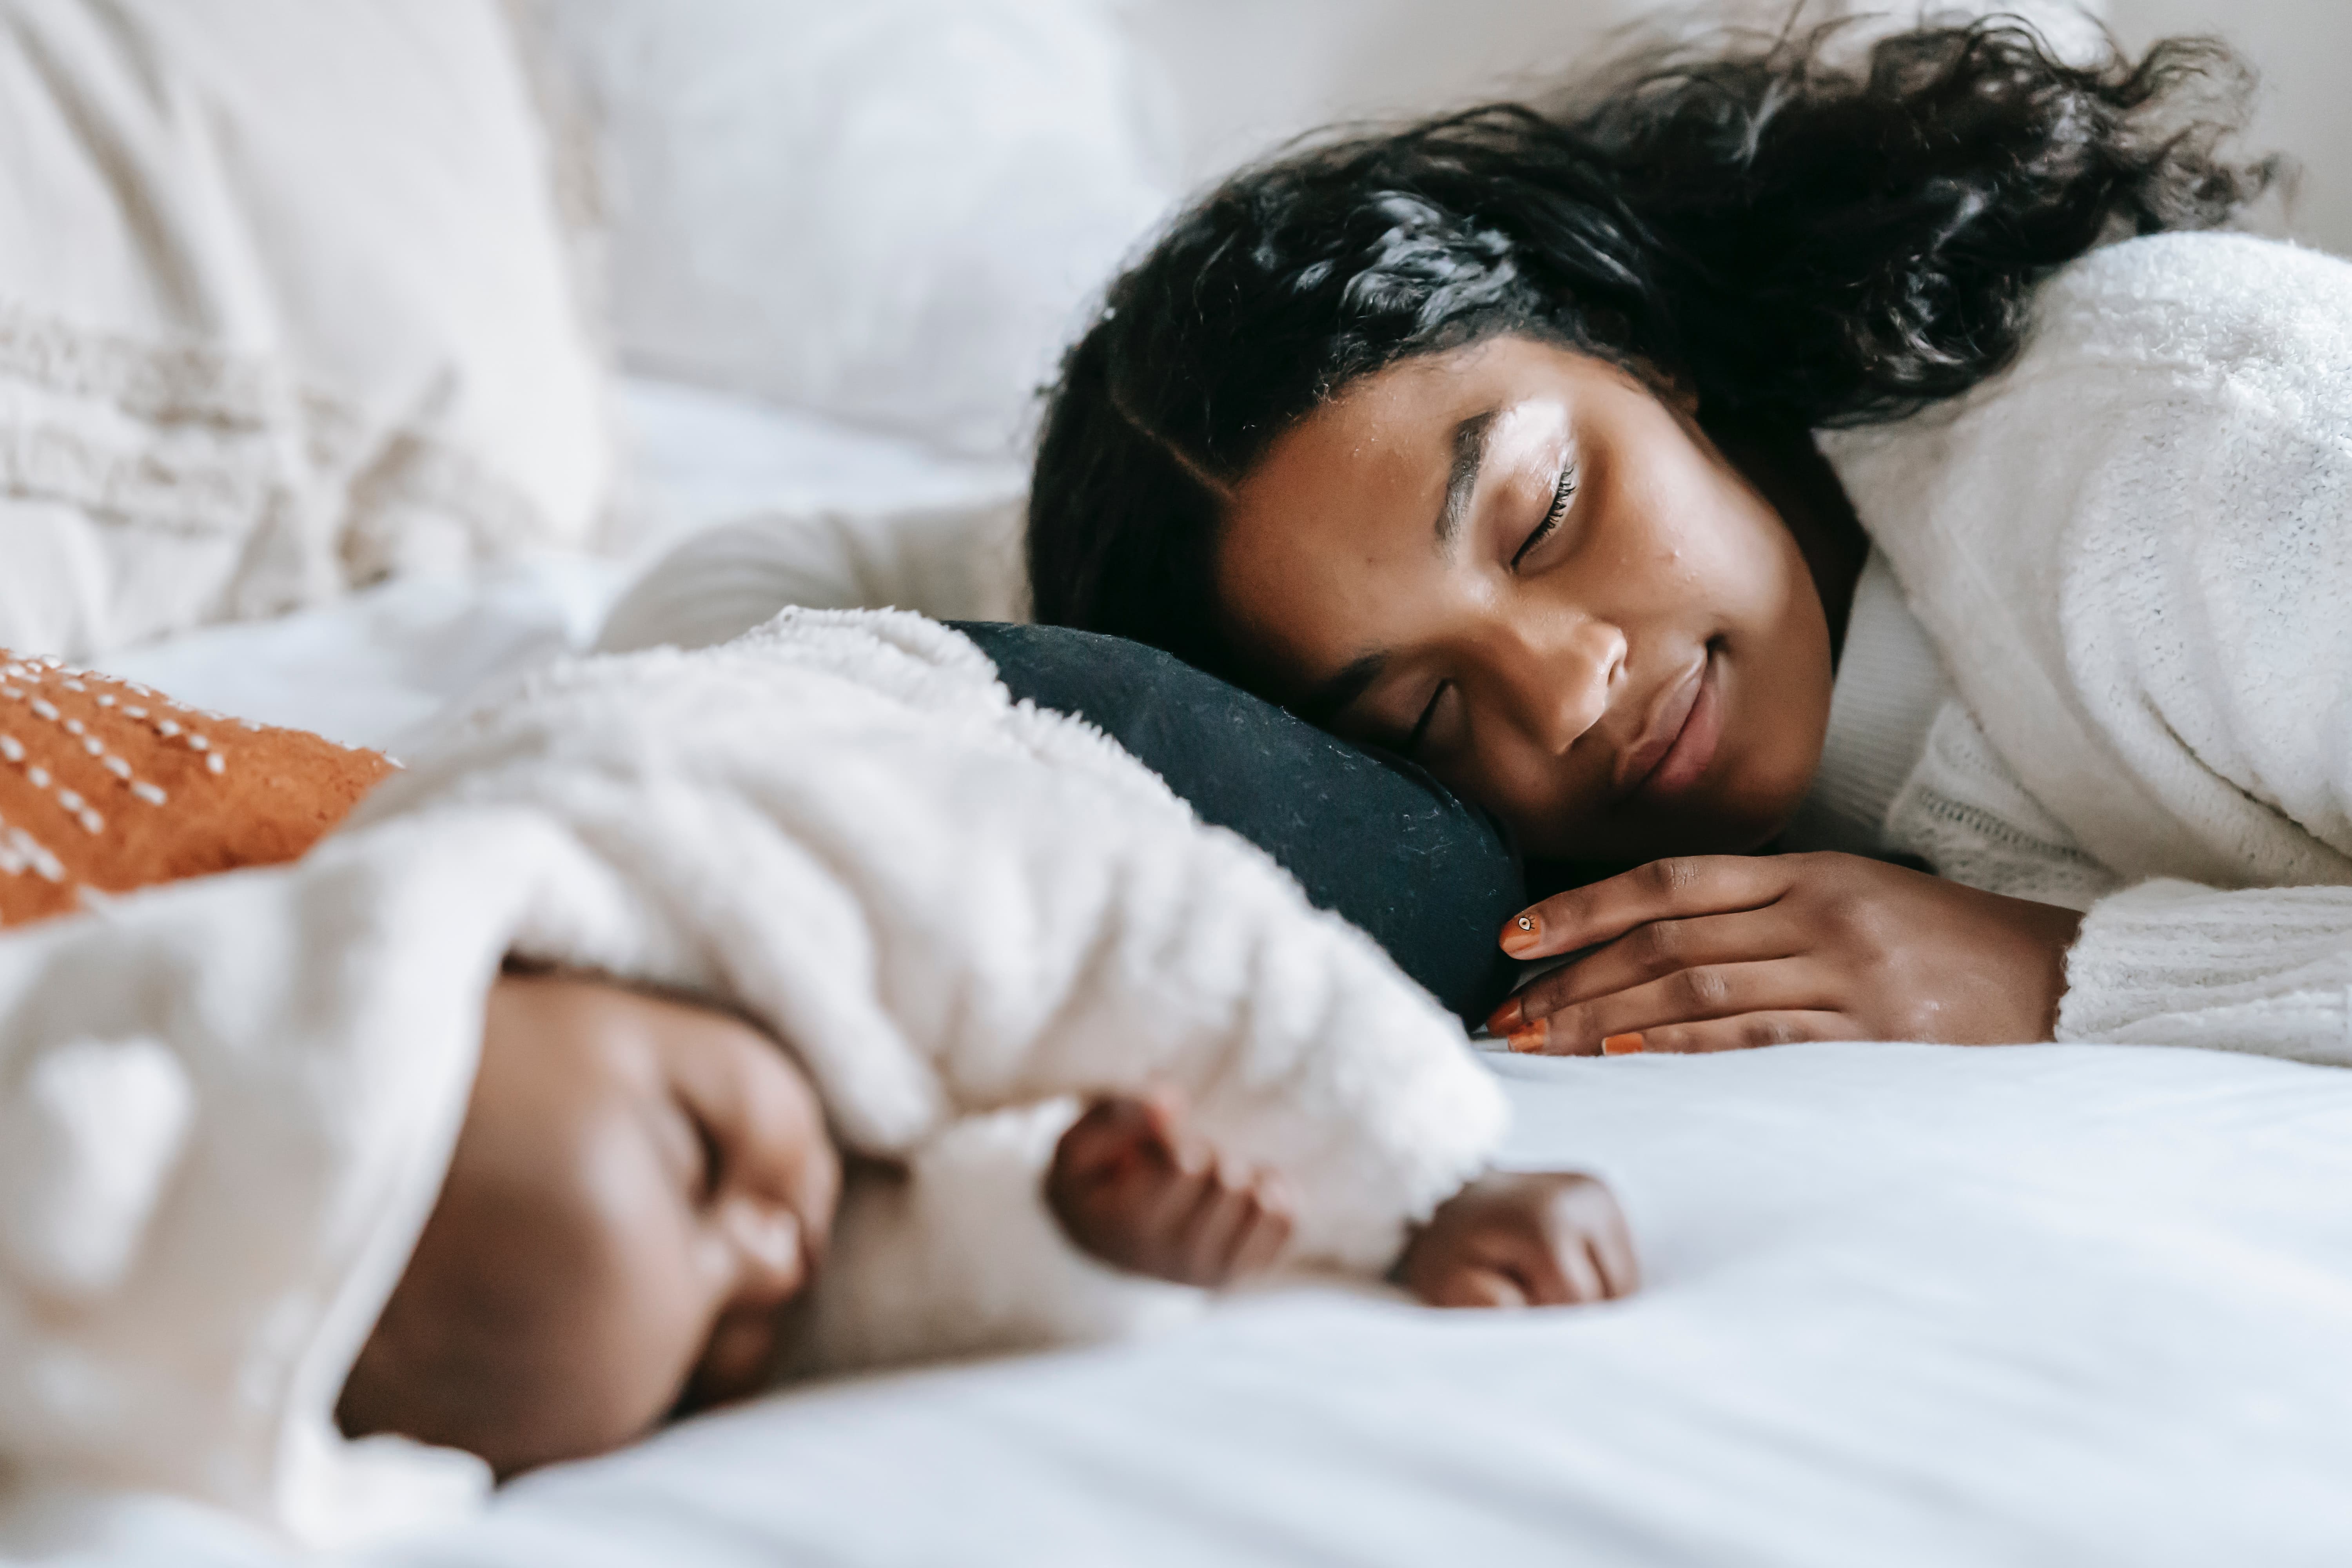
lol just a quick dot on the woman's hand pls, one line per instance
(1135, 1186)
(1544, 1239)
(1722, 951)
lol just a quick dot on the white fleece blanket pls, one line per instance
(225, 1106)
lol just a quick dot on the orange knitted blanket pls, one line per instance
(106, 786)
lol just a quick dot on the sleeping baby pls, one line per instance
(671, 1024)
(641, 1186)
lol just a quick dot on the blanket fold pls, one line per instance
(950, 906)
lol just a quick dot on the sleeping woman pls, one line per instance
(1861, 451)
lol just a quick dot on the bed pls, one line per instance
(1905, 1305)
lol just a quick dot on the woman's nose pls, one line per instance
(1558, 674)
(771, 1258)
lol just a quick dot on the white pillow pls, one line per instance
(285, 303)
(954, 562)
(891, 212)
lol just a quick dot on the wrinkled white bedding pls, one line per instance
(1908, 1306)
(2070, 1306)
(226, 1104)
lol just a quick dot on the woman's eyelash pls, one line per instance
(1411, 747)
(1559, 495)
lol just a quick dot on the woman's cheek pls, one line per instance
(1524, 788)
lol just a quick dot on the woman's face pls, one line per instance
(1519, 566)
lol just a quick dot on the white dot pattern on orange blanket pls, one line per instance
(107, 785)
(22, 675)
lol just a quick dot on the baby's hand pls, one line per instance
(1546, 1239)
(1136, 1187)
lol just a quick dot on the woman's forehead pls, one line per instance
(1393, 425)
(1358, 492)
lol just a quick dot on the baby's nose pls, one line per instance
(769, 1249)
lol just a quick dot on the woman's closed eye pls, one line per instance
(1561, 493)
(1419, 738)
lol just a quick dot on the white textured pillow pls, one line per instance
(284, 305)
(890, 212)
(949, 562)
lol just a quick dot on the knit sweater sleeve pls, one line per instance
(2265, 969)
(2144, 617)
(2165, 961)
(1964, 812)
(2207, 644)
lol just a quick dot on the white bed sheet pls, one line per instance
(1906, 1306)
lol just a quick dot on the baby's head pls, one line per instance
(639, 1185)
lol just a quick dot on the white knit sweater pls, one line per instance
(2132, 552)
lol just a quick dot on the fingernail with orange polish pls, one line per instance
(1530, 1038)
(1622, 1046)
(1522, 934)
(1506, 1019)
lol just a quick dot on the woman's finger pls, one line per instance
(1749, 1031)
(1662, 889)
(1706, 991)
(1650, 952)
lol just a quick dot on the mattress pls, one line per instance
(1905, 1305)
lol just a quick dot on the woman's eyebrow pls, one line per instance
(1462, 479)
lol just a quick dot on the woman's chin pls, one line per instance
(1667, 832)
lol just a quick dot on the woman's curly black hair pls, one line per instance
(1798, 231)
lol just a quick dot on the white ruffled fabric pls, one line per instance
(285, 304)
(227, 1104)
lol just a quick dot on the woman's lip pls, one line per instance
(1669, 715)
(1694, 748)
